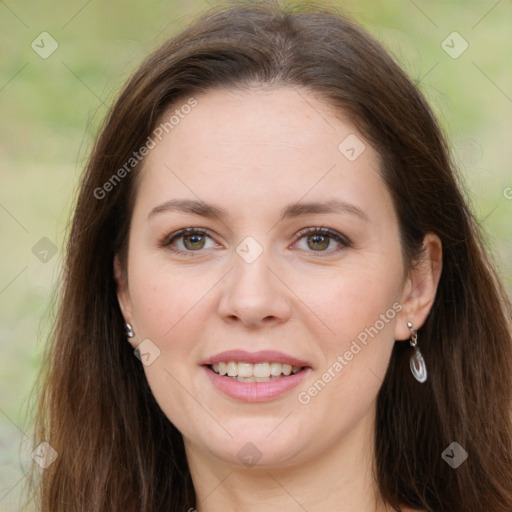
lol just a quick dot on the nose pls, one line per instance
(255, 293)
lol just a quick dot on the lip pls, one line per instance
(263, 356)
(255, 391)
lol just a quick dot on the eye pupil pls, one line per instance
(197, 239)
(319, 239)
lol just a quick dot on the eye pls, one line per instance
(318, 239)
(187, 240)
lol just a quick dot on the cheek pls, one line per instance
(164, 299)
(169, 308)
(357, 300)
(360, 308)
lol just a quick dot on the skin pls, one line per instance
(253, 153)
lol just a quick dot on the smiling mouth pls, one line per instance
(257, 372)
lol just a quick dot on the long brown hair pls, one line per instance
(117, 451)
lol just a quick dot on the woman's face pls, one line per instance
(261, 286)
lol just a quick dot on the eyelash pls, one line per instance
(325, 232)
(333, 235)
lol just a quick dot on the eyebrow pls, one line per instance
(291, 211)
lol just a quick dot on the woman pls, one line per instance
(275, 297)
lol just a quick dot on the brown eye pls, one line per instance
(320, 239)
(193, 242)
(187, 241)
(318, 242)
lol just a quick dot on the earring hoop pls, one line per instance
(416, 362)
(129, 331)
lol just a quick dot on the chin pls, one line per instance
(256, 442)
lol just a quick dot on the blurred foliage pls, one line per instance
(51, 109)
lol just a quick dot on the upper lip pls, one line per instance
(263, 356)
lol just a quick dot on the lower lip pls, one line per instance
(255, 391)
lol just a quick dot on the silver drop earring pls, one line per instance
(417, 363)
(129, 331)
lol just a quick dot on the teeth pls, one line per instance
(245, 370)
(259, 372)
(275, 369)
(232, 369)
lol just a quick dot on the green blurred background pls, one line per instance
(51, 108)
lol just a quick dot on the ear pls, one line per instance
(123, 295)
(419, 291)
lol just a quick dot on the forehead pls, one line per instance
(286, 119)
(258, 147)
